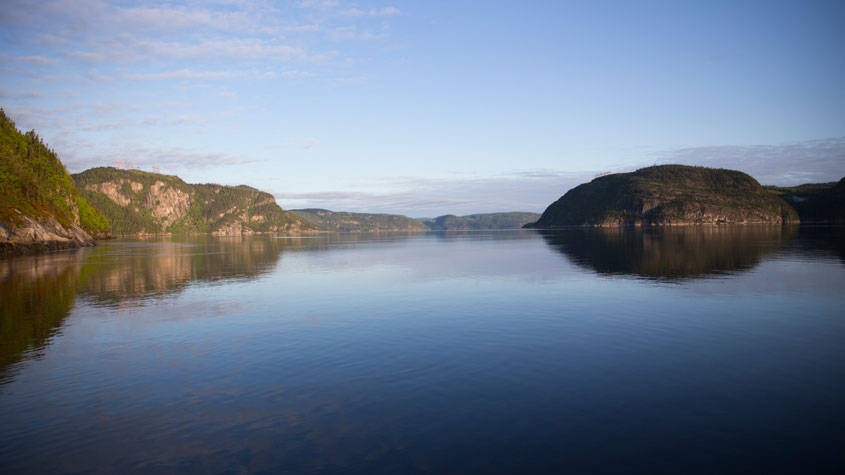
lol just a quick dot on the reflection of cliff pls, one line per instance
(37, 293)
(822, 241)
(147, 269)
(669, 253)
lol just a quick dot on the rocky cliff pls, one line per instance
(138, 202)
(40, 208)
(668, 195)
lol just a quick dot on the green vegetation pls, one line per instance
(139, 202)
(511, 220)
(668, 194)
(34, 182)
(815, 202)
(326, 220)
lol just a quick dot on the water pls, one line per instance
(582, 351)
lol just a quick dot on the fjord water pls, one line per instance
(694, 350)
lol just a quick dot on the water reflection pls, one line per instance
(38, 292)
(36, 295)
(669, 253)
(150, 269)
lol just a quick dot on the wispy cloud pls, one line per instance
(373, 12)
(167, 159)
(319, 4)
(534, 190)
(34, 59)
(785, 164)
(530, 190)
(20, 95)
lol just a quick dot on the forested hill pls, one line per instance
(326, 220)
(39, 204)
(668, 195)
(816, 202)
(139, 202)
(510, 220)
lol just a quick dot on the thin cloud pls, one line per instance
(319, 4)
(185, 74)
(786, 164)
(20, 95)
(517, 191)
(373, 12)
(146, 157)
(35, 59)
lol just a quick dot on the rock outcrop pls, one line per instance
(40, 208)
(668, 195)
(138, 202)
(24, 234)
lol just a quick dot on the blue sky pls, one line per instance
(427, 108)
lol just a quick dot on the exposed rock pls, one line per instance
(138, 202)
(24, 234)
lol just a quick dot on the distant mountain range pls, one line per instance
(510, 220)
(326, 220)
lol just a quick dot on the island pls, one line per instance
(668, 195)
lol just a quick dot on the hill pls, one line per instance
(139, 202)
(668, 195)
(815, 202)
(40, 208)
(511, 220)
(326, 220)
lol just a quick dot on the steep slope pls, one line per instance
(138, 202)
(326, 220)
(40, 207)
(511, 220)
(816, 202)
(668, 195)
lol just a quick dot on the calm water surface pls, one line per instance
(678, 351)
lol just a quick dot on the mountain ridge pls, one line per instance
(140, 202)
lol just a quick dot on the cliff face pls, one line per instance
(138, 202)
(326, 220)
(22, 234)
(668, 195)
(40, 208)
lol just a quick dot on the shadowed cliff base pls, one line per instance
(669, 253)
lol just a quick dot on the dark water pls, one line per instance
(716, 350)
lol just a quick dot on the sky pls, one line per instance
(426, 108)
